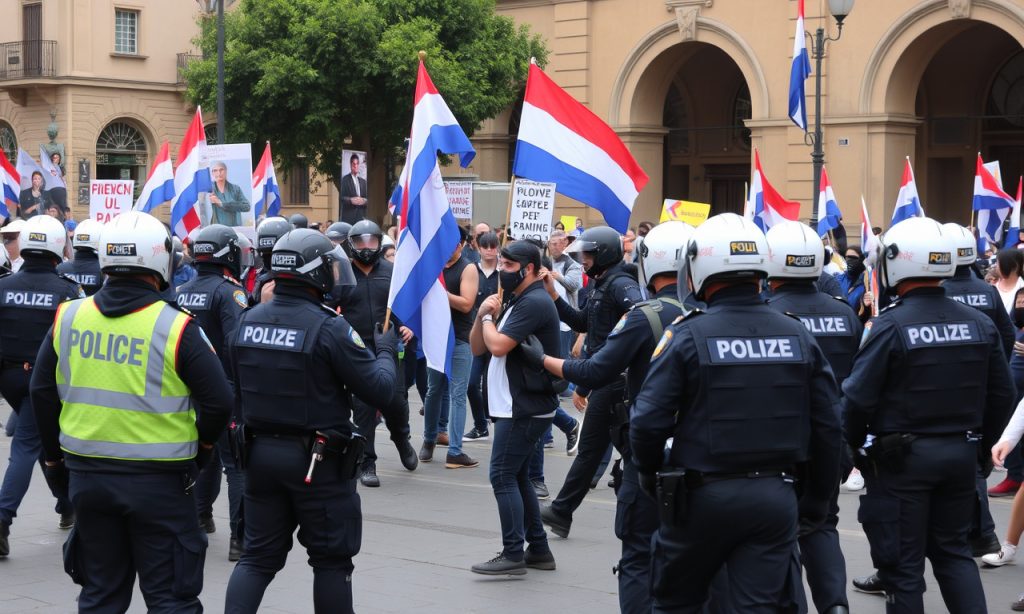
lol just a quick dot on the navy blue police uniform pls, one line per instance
(294, 363)
(615, 292)
(748, 398)
(829, 285)
(28, 302)
(837, 330)
(930, 382)
(83, 269)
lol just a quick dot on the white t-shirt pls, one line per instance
(1008, 296)
(499, 397)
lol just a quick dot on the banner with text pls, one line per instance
(109, 198)
(460, 198)
(533, 205)
(692, 213)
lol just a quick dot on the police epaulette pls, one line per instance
(696, 311)
(232, 280)
(328, 309)
(793, 315)
(839, 298)
(67, 278)
(181, 309)
(895, 303)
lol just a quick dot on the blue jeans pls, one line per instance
(515, 440)
(448, 395)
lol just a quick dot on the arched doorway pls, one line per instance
(122, 153)
(9, 142)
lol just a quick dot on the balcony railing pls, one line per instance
(28, 59)
(184, 59)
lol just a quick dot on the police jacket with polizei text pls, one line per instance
(741, 388)
(217, 302)
(366, 303)
(85, 269)
(629, 345)
(965, 288)
(28, 302)
(928, 365)
(831, 320)
(295, 362)
(197, 366)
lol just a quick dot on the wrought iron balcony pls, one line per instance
(184, 59)
(28, 59)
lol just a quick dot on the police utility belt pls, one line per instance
(346, 448)
(889, 451)
(675, 484)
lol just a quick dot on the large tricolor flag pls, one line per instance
(766, 207)
(991, 202)
(159, 186)
(799, 72)
(11, 182)
(27, 166)
(264, 186)
(54, 177)
(563, 142)
(191, 178)
(908, 203)
(429, 233)
(868, 240)
(1013, 232)
(829, 215)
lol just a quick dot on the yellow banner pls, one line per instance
(569, 221)
(687, 211)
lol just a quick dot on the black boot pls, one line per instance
(407, 454)
(369, 476)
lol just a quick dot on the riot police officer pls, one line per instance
(748, 398)
(364, 305)
(28, 301)
(217, 299)
(338, 234)
(930, 381)
(795, 264)
(615, 292)
(85, 268)
(298, 220)
(267, 234)
(629, 346)
(128, 393)
(295, 363)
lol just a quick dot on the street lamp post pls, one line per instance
(839, 9)
(221, 119)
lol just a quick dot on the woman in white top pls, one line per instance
(1009, 263)
(1007, 442)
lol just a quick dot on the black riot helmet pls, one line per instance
(267, 233)
(299, 221)
(604, 243)
(360, 241)
(307, 257)
(218, 244)
(338, 232)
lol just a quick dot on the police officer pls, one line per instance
(217, 299)
(615, 292)
(267, 234)
(130, 398)
(28, 300)
(298, 220)
(747, 397)
(295, 363)
(629, 346)
(795, 263)
(85, 268)
(930, 382)
(363, 305)
(338, 234)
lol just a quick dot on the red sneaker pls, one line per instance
(1006, 488)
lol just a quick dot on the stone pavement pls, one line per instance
(421, 532)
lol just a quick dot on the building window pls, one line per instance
(676, 117)
(126, 31)
(120, 137)
(210, 132)
(9, 142)
(298, 185)
(742, 110)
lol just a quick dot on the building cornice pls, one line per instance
(92, 82)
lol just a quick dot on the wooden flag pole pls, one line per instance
(508, 221)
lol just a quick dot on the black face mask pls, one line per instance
(854, 265)
(366, 255)
(510, 281)
(1017, 315)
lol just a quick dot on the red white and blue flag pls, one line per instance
(54, 177)
(765, 206)
(27, 166)
(992, 204)
(191, 178)
(799, 72)
(11, 180)
(265, 190)
(868, 240)
(908, 203)
(829, 215)
(563, 142)
(159, 186)
(1013, 232)
(429, 232)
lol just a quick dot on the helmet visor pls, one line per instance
(580, 246)
(338, 264)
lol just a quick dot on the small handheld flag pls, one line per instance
(191, 178)
(159, 186)
(766, 205)
(11, 181)
(829, 215)
(991, 203)
(908, 203)
(264, 186)
(798, 73)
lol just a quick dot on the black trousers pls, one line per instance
(395, 414)
(824, 562)
(925, 511)
(327, 513)
(636, 521)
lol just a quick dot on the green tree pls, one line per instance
(309, 74)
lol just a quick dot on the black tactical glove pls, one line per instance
(385, 340)
(813, 513)
(648, 484)
(532, 352)
(204, 455)
(57, 479)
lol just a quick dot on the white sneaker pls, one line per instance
(855, 482)
(1005, 556)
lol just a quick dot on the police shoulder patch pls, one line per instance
(202, 333)
(240, 298)
(666, 339)
(356, 339)
(619, 325)
(866, 333)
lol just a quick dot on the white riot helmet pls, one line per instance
(43, 235)
(726, 245)
(5, 263)
(662, 250)
(916, 248)
(964, 243)
(794, 251)
(87, 235)
(136, 242)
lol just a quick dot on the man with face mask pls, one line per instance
(852, 282)
(363, 306)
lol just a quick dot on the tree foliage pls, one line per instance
(309, 74)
